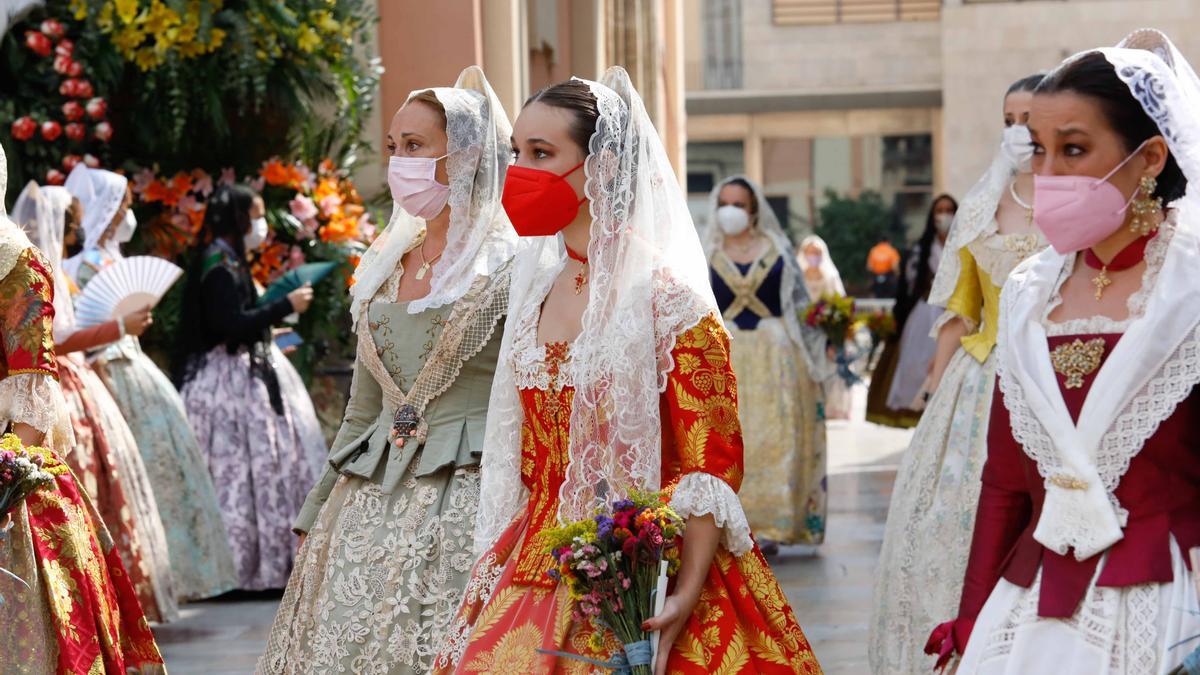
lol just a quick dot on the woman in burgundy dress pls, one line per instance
(1091, 491)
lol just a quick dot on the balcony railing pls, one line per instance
(816, 12)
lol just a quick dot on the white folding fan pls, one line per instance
(123, 287)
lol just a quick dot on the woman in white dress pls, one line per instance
(821, 277)
(1091, 491)
(937, 485)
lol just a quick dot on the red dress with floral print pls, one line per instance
(742, 622)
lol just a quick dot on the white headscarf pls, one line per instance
(1153, 367)
(648, 284)
(480, 238)
(101, 193)
(12, 240)
(41, 212)
(829, 271)
(793, 294)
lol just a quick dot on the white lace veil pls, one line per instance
(828, 269)
(648, 283)
(794, 295)
(41, 212)
(101, 193)
(480, 238)
(12, 240)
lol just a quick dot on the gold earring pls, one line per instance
(1147, 209)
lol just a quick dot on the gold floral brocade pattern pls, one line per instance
(1077, 359)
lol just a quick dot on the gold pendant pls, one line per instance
(1100, 281)
(580, 282)
(1076, 359)
(422, 271)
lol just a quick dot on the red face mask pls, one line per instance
(539, 203)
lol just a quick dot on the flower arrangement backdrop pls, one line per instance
(183, 95)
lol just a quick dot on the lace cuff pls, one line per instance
(37, 400)
(948, 316)
(700, 494)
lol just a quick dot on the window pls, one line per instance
(817, 12)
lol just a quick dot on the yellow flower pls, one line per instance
(216, 38)
(308, 40)
(105, 19)
(146, 58)
(326, 22)
(128, 39)
(127, 10)
(79, 9)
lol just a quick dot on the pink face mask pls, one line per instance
(415, 187)
(1078, 212)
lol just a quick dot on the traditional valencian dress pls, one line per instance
(390, 525)
(152, 408)
(827, 281)
(650, 373)
(79, 613)
(779, 401)
(937, 486)
(105, 456)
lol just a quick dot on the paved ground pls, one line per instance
(830, 591)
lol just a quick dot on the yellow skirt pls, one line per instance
(783, 428)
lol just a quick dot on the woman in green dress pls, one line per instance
(388, 528)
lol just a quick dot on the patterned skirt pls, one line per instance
(931, 519)
(199, 553)
(110, 470)
(784, 491)
(741, 624)
(379, 577)
(261, 463)
(79, 614)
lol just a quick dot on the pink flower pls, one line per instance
(188, 203)
(329, 204)
(228, 177)
(255, 184)
(302, 207)
(142, 179)
(295, 257)
(202, 183)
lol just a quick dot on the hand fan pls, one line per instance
(123, 287)
(309, 273)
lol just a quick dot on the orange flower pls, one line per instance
(196, 218)
(269, 262)
(352, 265)
(276, 172)
(325, 188)
(156, 191)
(339, 228)
(326, 167)
(181, 184)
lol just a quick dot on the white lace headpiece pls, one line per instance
(480, 238)
(101, 193)
(648, 283)
(794, 294)
(12, 239)
(1156, 363)
(41, 212)
(828, 269)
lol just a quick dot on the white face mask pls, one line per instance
(732, 220)
(1017, 145)
(942, 222)
(257, 234)
(126, 228)
(813, 259)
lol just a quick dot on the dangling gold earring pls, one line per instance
(1147, 209)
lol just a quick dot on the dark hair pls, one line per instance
(1091, 75)
(1028, 83)
(228, 216)
(906, 296)
(743, 183)
(576, 97)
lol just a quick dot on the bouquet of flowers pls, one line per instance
(21, 472)
(833, 314)
(615, 566)
(880, 323)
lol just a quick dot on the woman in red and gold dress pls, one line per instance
(79, 613)
(1091, 490)
(614, 374)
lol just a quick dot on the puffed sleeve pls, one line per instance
(366, 400)
(966, 302)
(29, 391)
(703, 449)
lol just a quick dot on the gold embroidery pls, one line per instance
(1068, 483)
(1076, 359)
(515, 652)
(745, 286)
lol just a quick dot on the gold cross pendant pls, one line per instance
(580, 281)
(1101, 282)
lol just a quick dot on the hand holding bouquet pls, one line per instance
(834, 315)
(615, 567)
(22, 470)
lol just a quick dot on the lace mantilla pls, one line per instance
(701, 494)
(37, 400)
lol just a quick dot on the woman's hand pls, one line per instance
(671, 622)
(136, 322)
(301, 298)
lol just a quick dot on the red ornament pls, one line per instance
(38, 43)
(51, 130)
(76, 88)
(76, 131)
(55, 177)
(62, 64)
(75, 69)
(53, 29)
(65, 48)
(104, 132)
(85, 89)
(90, 161)
(73, 111)
(24, 128)
(97, 108)
(70, 162)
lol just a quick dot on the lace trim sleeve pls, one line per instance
(37, 400)
(699, 494)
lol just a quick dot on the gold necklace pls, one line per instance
(426, 264)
